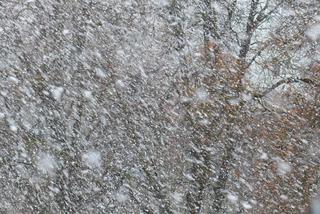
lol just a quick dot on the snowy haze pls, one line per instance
(171, 106)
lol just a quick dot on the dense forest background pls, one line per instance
(159, 106)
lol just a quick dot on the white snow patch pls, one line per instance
(284, 197)
(283, 167)
(253, 201)
(65, 31)
(45, 92)
(313, 32)
(217, 7)
(201, 94)
(26, 124)
(122, 195)
(178, 197)
(204, 122)
(315, 206)
(57, 92)
(234, 102)
(232, 197)
(185, 99)
(100, 73)
(264, 156)
(87, 94)
(2, 115)
(120, 84)
(161, 3)
(246, 205)
(4, 93)
(143, 73)
(287, 11)
(12, 124)
(189, 177)
(13, 79)
(246, 97)
(92, 159)
(246, 183)
(54, 189)
(46, 163)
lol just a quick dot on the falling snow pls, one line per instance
(92, 159)
(46, 163)
(57, 92)
(159, 106)
(314, 32)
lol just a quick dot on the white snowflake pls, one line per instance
(178, 197)
(246, 205)
(264, 156)
(313, 32)
(232, 197)
(12, 124)
(120, 84)
(57, 92)
(283, 166)
(122, 195)
(92, 159)
(46, 163)
(87, 94)
(100, 73)
(201, 94)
